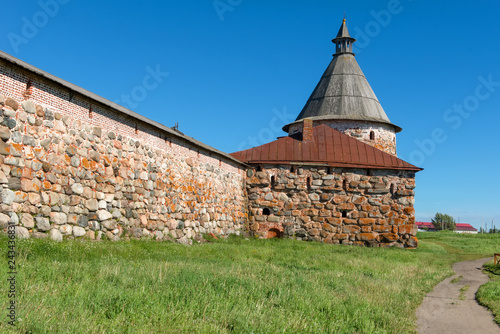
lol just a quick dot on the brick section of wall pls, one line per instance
(13, 81)
(69, 166)
(333, 205)
(307, 130)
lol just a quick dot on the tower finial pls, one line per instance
(343, 41)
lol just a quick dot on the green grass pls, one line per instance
(463, 290)
(464, 246)
(489, 293)
(456, 279)
(233, 285)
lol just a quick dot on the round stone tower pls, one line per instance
(344, 100)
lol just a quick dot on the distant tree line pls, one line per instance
(442, 221)
(491, 230)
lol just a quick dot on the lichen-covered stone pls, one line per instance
(55, 235)
(109, 224)
(83, 221)
(78, 231)
(92, 204)
(346, 207)
(11, 103)
(4, 148)
(58, 218)
(42, 224)
(104, 215)
(39, 111)
(4, 133)
(4, 221)
(58, 167)
(48, 114)
(7, 196)
(22, 232)
(9, 122)
(66, 229)
(77, 188)
(28, 106)
(27, 221)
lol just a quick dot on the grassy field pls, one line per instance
(234, 285)
(489, 294)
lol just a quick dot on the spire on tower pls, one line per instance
(343, 41)
(343, 93)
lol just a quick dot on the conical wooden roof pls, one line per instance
(343, 93)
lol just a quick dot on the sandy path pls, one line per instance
(444, 312)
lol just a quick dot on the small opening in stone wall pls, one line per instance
(259, 168)
(293, 169)
(344, 214)
(90, 111)
(344, 184)
(266, 212)
(273, 181)
(136, 128)
(308, 183)
(372, 135)
(329, 170)
(369, 172)
(273, 233)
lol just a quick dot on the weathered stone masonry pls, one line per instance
(336, 177)
(333, 205)
(74, 164)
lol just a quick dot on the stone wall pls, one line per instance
(333, 205)
(384, 137)
(73, 167)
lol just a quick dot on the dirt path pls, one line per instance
(448, 310)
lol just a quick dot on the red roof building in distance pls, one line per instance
(460, 228)
(465, 228)
(425, 227)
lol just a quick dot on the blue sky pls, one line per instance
(232, 72)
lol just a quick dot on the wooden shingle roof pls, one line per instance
(343, 93)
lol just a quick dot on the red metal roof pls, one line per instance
(459, 227)
(329, 146)
(422, 224)
(465, 227)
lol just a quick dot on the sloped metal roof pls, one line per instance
(465, 227)
(343, 93)
(329, 147)
(458, 226)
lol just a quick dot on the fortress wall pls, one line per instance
(333, 205)
(72, 166)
